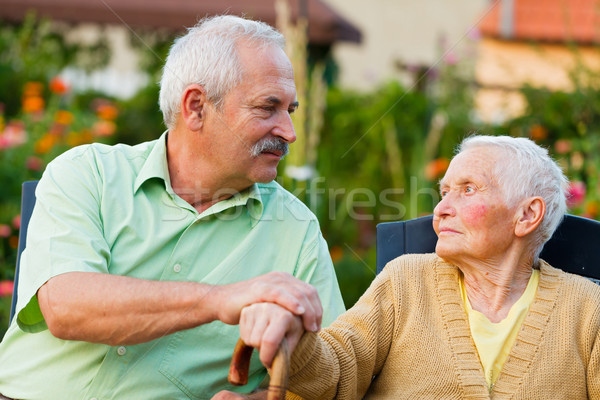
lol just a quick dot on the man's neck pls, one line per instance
(193, 180)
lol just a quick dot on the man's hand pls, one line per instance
(226, 395)
(264, 325)
(292, 294)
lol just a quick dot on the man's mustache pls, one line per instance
(270, 144)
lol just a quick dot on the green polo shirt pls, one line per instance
(111, 209)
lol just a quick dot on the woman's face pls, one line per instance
(471, 220)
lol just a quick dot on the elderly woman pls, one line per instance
(481, 318)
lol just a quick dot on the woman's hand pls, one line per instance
(264, 325)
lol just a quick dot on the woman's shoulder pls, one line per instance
(574, 289)
(416, 266)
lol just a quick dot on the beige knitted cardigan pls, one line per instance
(408, 338)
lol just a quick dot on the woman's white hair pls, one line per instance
(525, 170)
(207, 56)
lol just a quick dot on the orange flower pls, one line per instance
(107, 111)
(58, 86)
(104, 128)
(434, 169)
(336, 253)
(33, 104)
(79, 138)
(13, 241)
(45, 143)
(63, 117)
(33, 89)
(538, 132)
(591, 209)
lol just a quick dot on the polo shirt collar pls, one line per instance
(156, 166)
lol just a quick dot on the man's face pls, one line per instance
(250, 132)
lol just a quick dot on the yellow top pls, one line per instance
(494, 340)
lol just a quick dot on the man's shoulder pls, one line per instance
(279, 201)
(100, 156)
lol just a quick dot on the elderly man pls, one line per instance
(139, 257)
(483, 318)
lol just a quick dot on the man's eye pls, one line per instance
(443, 193)
(469, 189)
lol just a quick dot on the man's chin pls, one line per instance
(265, 176)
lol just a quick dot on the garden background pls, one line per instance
(361, 158)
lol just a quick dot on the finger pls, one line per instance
(271, 339)
(290, 292)
(262, 314)
(246, 323)
(226, 395)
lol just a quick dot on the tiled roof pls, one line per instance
(543, 20)
(325, 25)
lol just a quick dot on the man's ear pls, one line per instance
(193, 107)
(531, 214)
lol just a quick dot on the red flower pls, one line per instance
(6, 288)
(576, 193)
(5, 231)
(58, 86)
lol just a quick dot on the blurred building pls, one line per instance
(536, 43)
(122, 20)
(403, 38)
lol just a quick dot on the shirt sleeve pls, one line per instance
(342, 359)
(65, 232)
(315, 267)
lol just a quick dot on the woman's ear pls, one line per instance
(193, 107)
(531, 214)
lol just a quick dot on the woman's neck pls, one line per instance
(493, 289)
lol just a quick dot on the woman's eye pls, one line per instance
(469, 189)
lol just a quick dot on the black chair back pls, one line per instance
(27, 203)
(571, 248)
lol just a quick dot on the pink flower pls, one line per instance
(6, 288)
(576, 193)
(13, 135)
(5, 231)
(474, 34)
(450, 58)
(562, 146)
(34, 163)
(16, 221)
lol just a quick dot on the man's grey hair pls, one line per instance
(207, 56)
(525, 170)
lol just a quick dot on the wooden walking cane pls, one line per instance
(280, 370)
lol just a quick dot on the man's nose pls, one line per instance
(285, 128)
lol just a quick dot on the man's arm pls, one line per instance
(111, 309)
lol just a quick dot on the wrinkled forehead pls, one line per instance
(479, 163)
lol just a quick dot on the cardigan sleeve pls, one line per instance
(342, 359)
(593, 371)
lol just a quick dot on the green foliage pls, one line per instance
(39, 119)
(568, 124)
